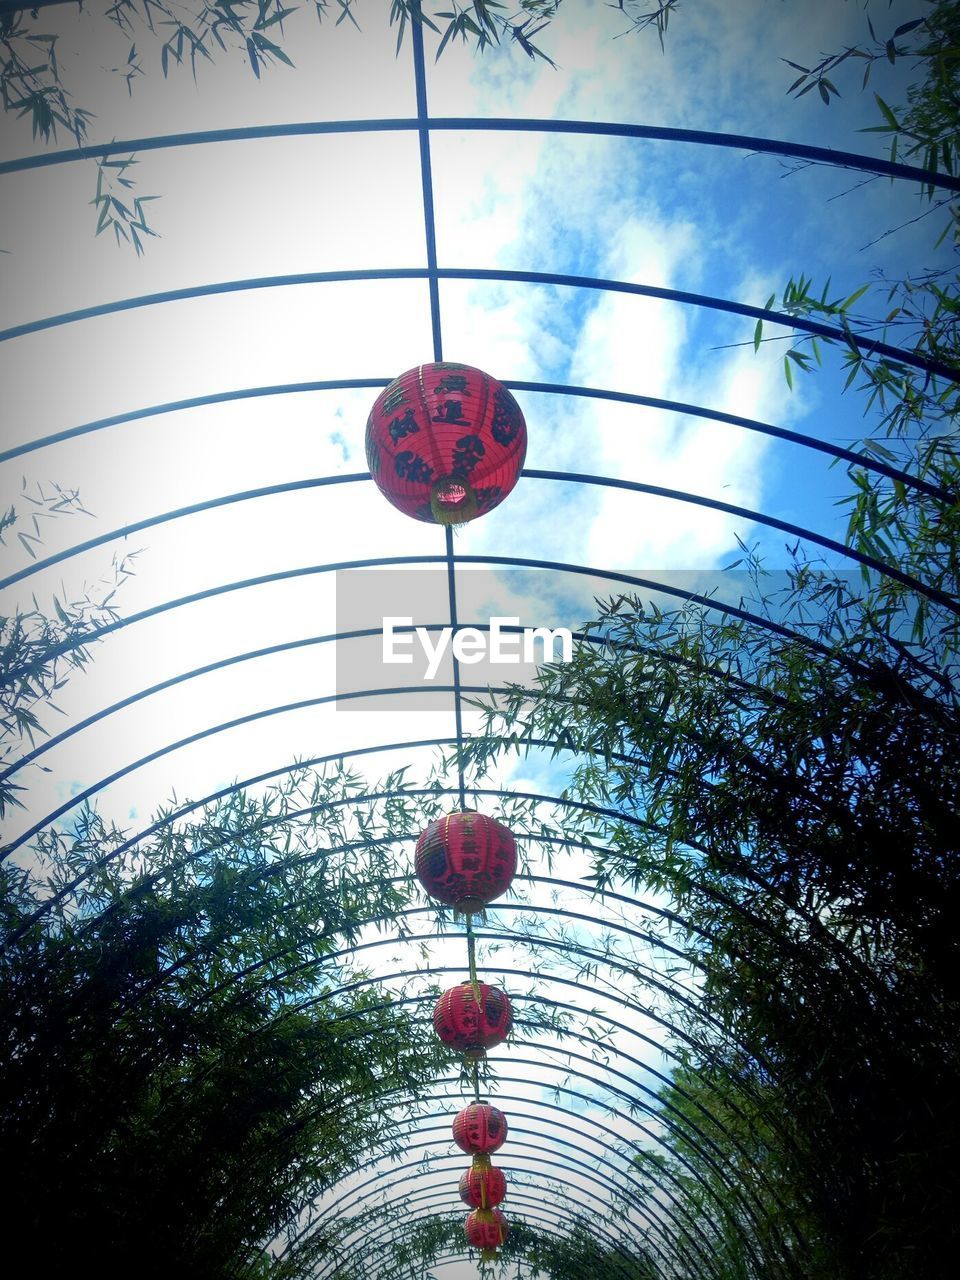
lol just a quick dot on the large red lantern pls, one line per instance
(482, 1186)
(471, 1025)
(466, 860)
(479, 1128)
(445, 442)
(486, 1230)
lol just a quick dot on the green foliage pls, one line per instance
(189, 33)
(184, 1064)
(576, 1253)
(112, 211)
(797, 786)
(36, 651)
(919, 313)
(528, 1252)
(788, 777)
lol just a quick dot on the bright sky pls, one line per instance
(719, 222)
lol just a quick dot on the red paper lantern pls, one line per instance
(479, 1128)
(471, 1026)
(486, 1230)
(466, 860)
(482, 1186)
(445, 442)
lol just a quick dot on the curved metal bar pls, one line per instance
(757, 517)
(816, 443)
(191, 402)
(464, 124)
(832, 333)
(250, 655)
(568, 477)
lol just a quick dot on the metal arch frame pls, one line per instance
(548, 1066)
(608, 996)
(575, 1167)
(580, 1037)
(532, 944)
(434, 1196)
(536, 797)
(570, 1070)
(284, 575)
(599, 810)
(746, 1196)
(587, 1118)
(816, 443)
(519, 940)
(456, 688)
(337, 1209)
(285, 646)
(561, 1033)
(433, 274)
(627, 1117)
(651, 1221)
(614, 999)
(548, 1225)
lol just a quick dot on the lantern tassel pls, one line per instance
(453, 501)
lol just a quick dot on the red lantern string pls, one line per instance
(466, 860)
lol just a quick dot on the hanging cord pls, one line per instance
(475, 984)
(472, 959)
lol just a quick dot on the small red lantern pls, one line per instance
(466, 860)
(486, 1229)
(479, 1128)
(482, 1186)
(445, 442)
(470, 1025)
